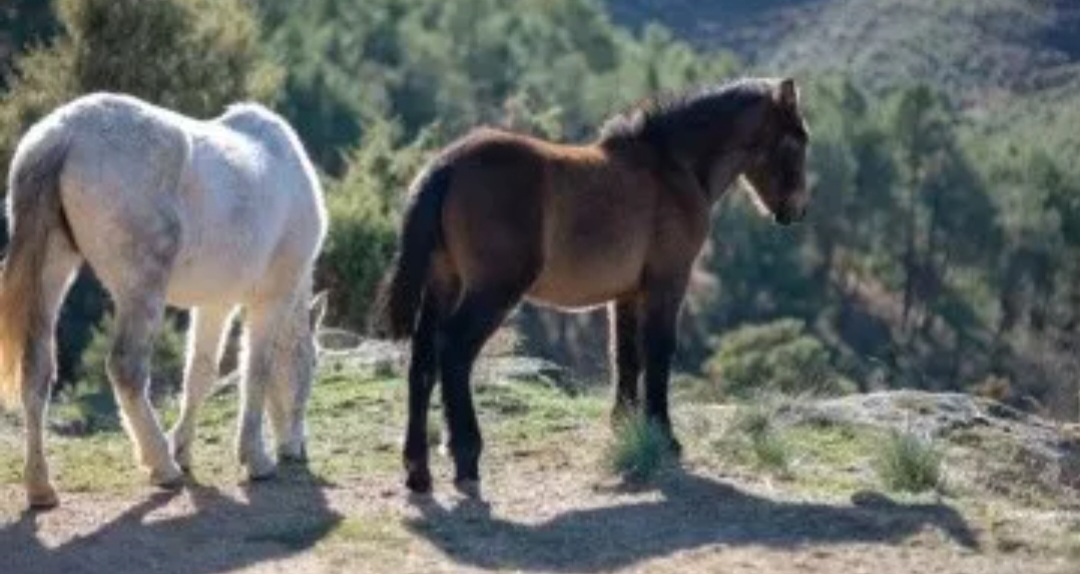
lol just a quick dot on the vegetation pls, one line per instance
(909, 463)
(639, 450)
(941, 252)
(775, 357)
(756, 434)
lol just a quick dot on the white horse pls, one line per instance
(166, 209)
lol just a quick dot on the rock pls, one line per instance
(1045, 451)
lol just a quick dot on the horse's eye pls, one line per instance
(790, 144)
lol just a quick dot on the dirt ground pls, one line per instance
(548, 506)
(535, 520)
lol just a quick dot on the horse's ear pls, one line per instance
(318, 309)
(787, 94)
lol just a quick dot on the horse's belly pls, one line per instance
(584, 282)
(208, 285)
(224, 273)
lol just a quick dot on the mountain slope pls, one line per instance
(983, 53)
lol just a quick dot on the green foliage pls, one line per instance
(91, 398)
(776, 357)
(639, 449)
(941, 248)
(906, 462)
(464, 63)
(194, 56)
(363, 207)
(23, 23)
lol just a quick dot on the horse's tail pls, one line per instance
(34, 213)
(402, 292)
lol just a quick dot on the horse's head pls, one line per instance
(777, 162)
(311, 314)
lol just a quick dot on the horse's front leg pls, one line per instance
(209, 325)
(626, 354)
(265, 325)
(659, 334)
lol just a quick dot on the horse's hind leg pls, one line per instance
(139, 316)
(40, 368)
(463, 335)
(209, 325)
(423, 369)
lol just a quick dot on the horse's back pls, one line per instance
(254, 207)
(577, 224)
(229, 201)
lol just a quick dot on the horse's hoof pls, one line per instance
(169, 478)
(260, 473)
(42, 498)
(293, 456)
(183, 459)
(468, 487)
(675, 447)
(257, 465)
(419, 482)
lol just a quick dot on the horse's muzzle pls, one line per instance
(788, 215)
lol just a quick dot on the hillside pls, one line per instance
(1004, 60)
(550, 504)
(970, 48)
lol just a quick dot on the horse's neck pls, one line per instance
(722, 174)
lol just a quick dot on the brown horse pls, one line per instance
(497, 217)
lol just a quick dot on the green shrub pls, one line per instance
(91, 396)
(364, 207)
(776, 357)
(195, 56)
(639, 450)
(908, 463)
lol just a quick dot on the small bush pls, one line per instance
(364, 210)
(909, 463)
(639, 450)
(776, 357)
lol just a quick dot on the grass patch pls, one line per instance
(768, 443)
(639, 450)
(772, 452)
(355, 427)
(908, 463)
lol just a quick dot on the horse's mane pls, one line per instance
(658, 113)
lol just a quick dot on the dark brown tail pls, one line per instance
(402, 292)
(35, 213)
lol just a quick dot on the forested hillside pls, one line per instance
(1012, 65)
(943, 246)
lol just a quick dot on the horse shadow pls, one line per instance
(693, 512)
(279, 518)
